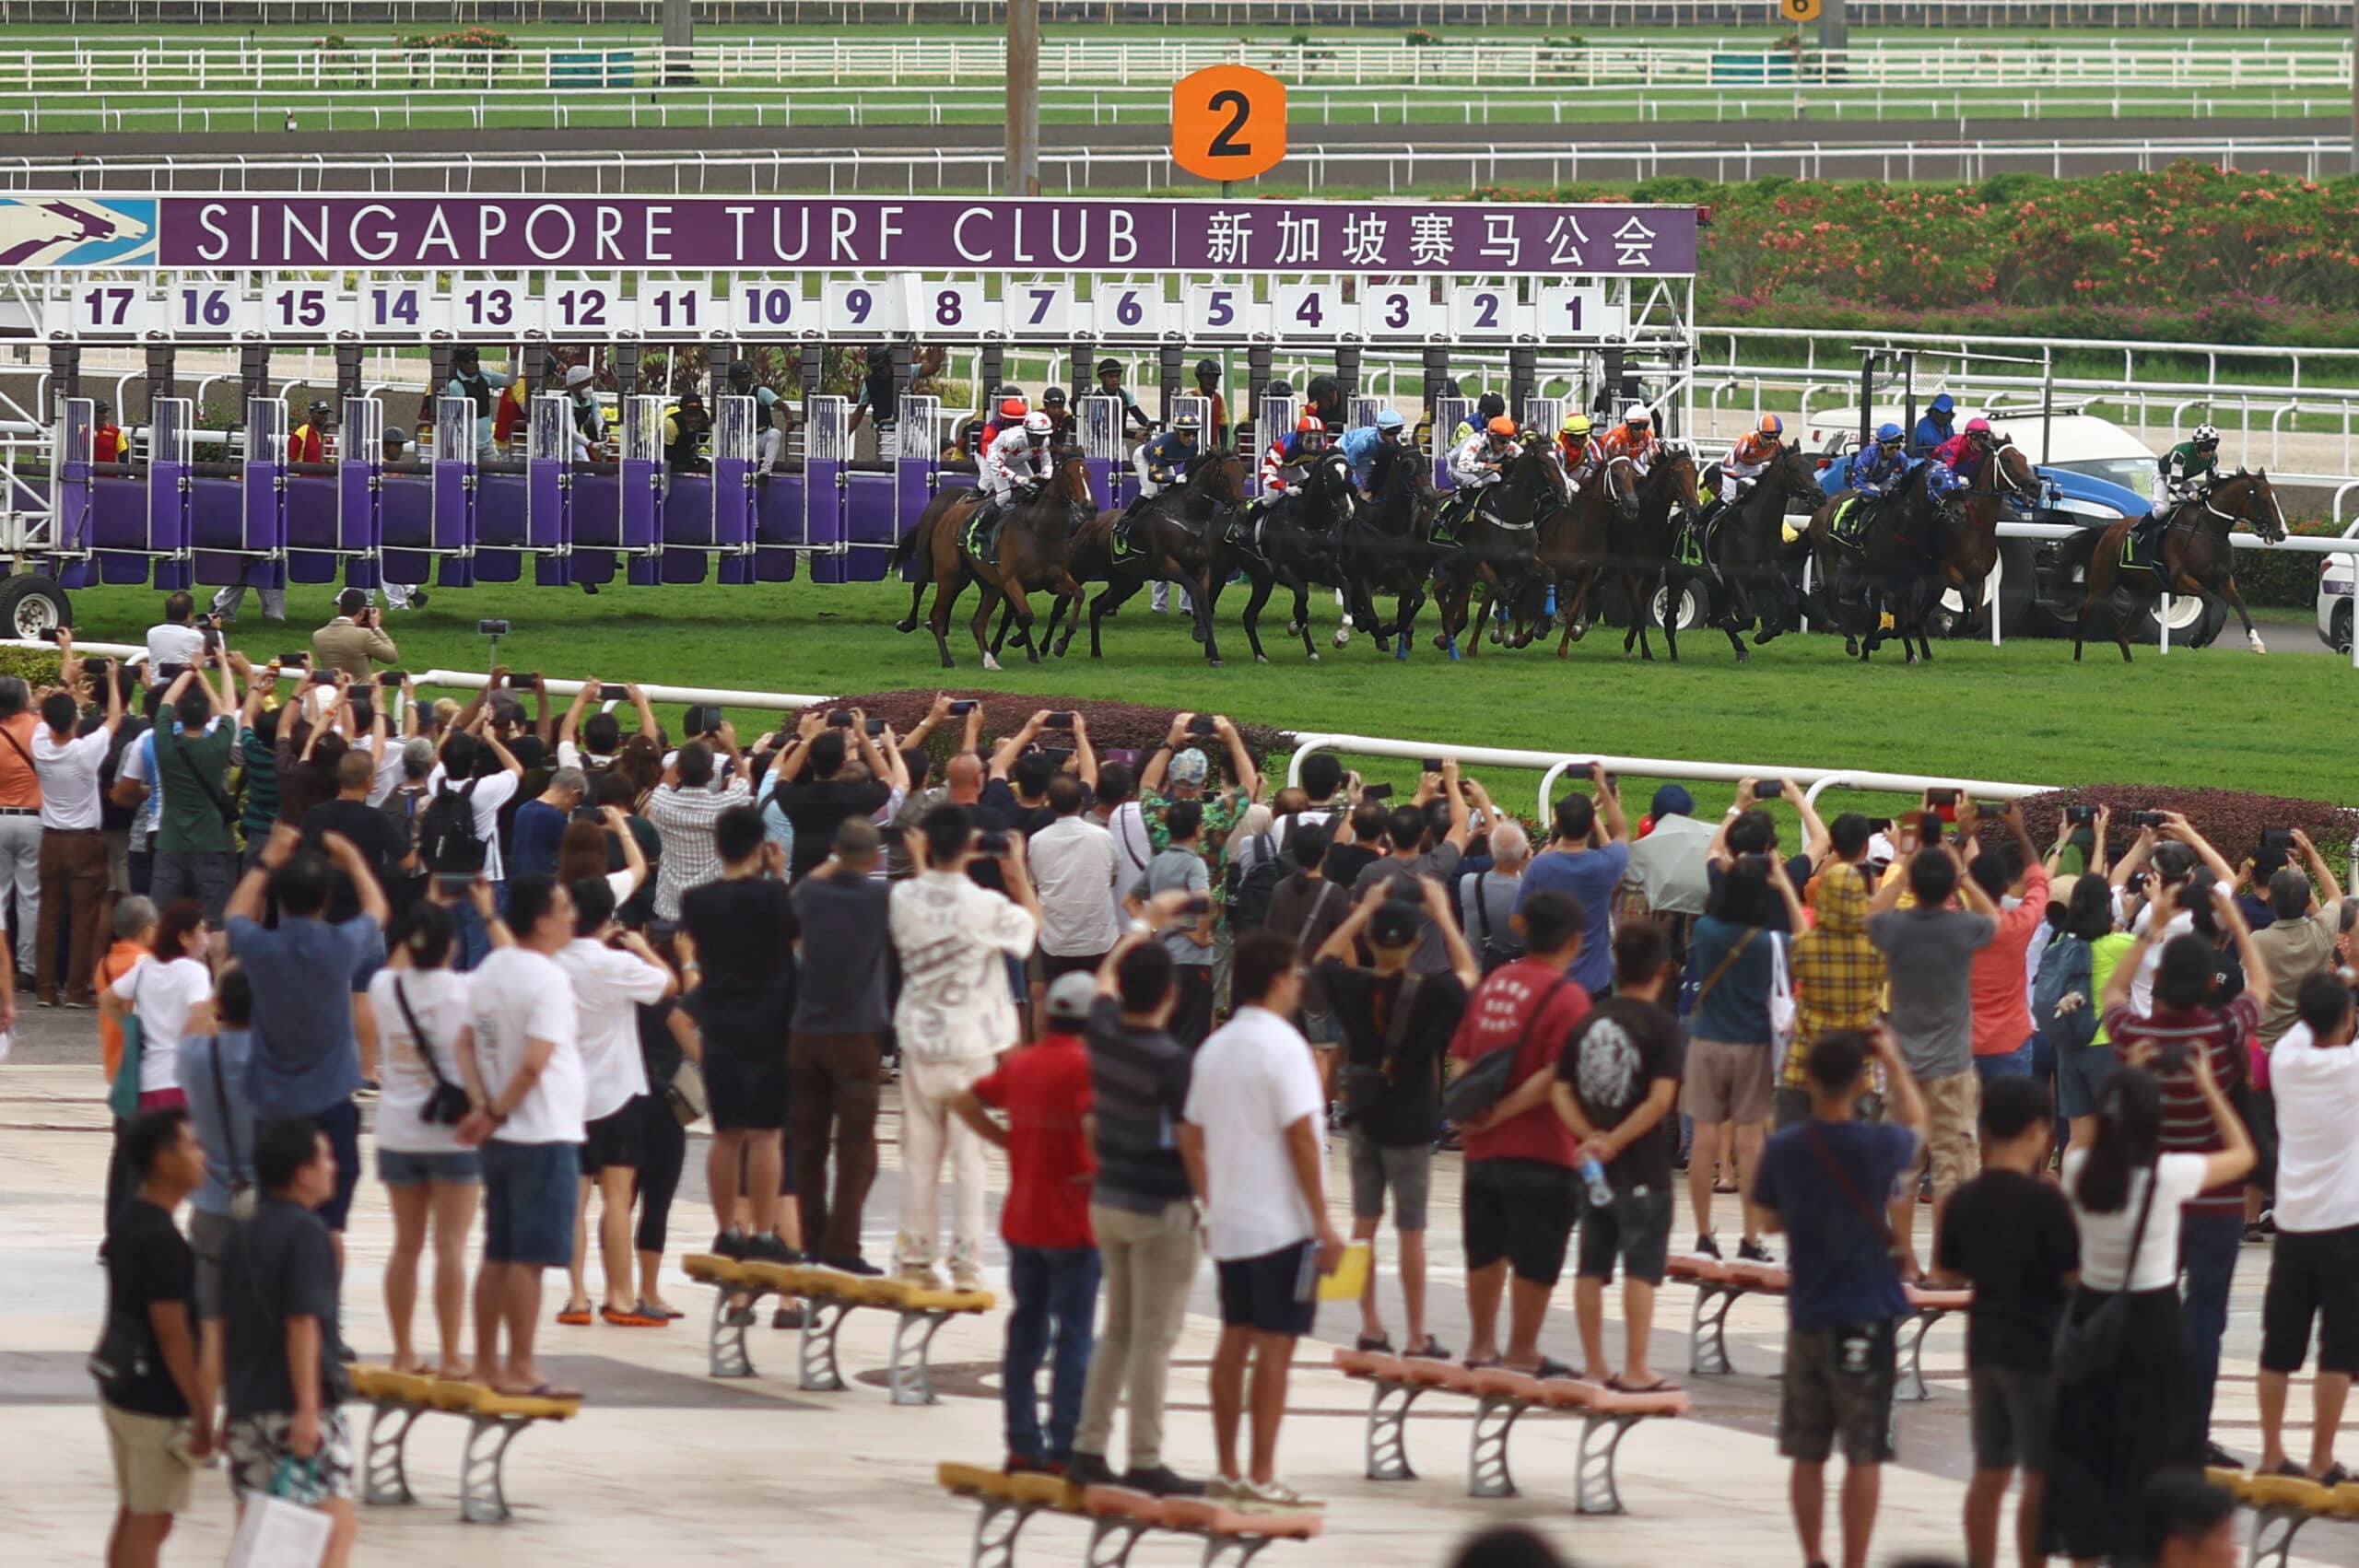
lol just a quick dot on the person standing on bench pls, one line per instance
(1053, 1255)
(1396, 1025)
(1521, 1189)
(1824, 1185)
(1251, 1139)
(1616, 1086)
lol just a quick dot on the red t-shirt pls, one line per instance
(1044, 1089)
(1496, 1018)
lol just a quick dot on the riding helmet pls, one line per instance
(1502, 426)
(1491, 406)
(1772, 426)
(1207, 370)
(1187, 419)
(2207, 436)
(1887, 433)
(1576, 424)
(1388, 419)
(1038, 426)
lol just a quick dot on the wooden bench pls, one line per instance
(1501, 1400)
(1118, 1518)
(494, 1421)
(2282, 1505)
(1719, 1286)
(830, 1297)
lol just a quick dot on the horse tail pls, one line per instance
(910, 543)
(2080, 549)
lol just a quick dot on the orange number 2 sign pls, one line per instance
(1228, 122)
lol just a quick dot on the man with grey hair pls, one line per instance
(1486, 900)
(540, 824)
(19, 815)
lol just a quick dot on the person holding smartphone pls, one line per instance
(1178, 866)
(354, 638)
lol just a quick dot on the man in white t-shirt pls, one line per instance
(2314, 1268)
(614, 973)
(521, 1056)
(1251, 1140)
(73, 854)
(175, 639)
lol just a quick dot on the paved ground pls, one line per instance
(697, 1468)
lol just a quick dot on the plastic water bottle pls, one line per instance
(1601, 1195)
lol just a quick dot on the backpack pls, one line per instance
(446, 838)
(1496, 951)
(2063, 969)
(1249, 892)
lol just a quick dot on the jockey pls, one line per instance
(1488, 407)
(1012, 411)
(1298, 450)
(1163, 461)
(2182, 474)
(1633, 438)
(1582, 453)
(1750, 457)
(1963, 453)
(1363, 446)
(1877, 470)
(1479, 462)
(1018, 459)
(1053, 404)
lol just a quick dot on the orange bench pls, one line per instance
(1501, 1400)
(829, 1298)
(1118, 1517)
(494, 1421)
(1719, 1285)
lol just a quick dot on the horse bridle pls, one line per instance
(2259, 525)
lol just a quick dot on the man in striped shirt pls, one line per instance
(2186, 1019)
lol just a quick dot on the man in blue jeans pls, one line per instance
(1052, 1255)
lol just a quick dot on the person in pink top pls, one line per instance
(2008, 867)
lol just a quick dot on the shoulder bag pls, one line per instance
(123, 1094)
(2092, 1347)
(1720, 971)
(212, 791)
(1878, 1220)
(447, 1104)
(1783, 1013)
(1495, 954)
(1492, 1077)
(1362, 1083)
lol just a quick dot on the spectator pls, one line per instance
(1838, 979)
(2186, 1022)
(521, 1056)
(476, 766)
(1617, 1083)
(2313, 1269)
(835, 1052)
(1142, 1208)
(819, 789)
(2010, 1238)
(286, 1435)
(174, 641)
(600, 736)
(541, 823)
(196, 839)
(388, 855)
(2299, 942)
(737, 957)
(1188, 771)
(1928, 950)
(1053, 1257)
(2183, 1521)
(307, 1058)
(2002, 1027)
(668, 1041)
(1178, 866)
(1488, 897)
(1325, 798)
(2064, 996)
(135, 937)
(1357, 842)
(156, 1401)
(1307, 907)
(432, 1180)
(2123, 1422)
(170, 992)
(1251, 1140)
(73, 855)
(614, 973)
(1821, 1184)
(955, 1014)
(1074, 867)
(21, 822)
(1420, 853)
(1396, 1025)
(1669, 860)
(354, 638)
(685, 809)
(1114, 806)
(1588, 859)
(224, 1123)
(1732, 1067)
(1518, 1203)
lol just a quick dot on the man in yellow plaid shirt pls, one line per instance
(1838, 979)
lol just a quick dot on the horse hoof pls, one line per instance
(1401, 652)
(1196, 633)
(1441, 641)
(1743, 656)
(1343, 638)
(2258, 646)
(1294, 628)
(990, 663)
(1260, 659)
(905, 628)
(1314, 655)
(1214, 662)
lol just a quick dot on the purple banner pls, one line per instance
(926, 234)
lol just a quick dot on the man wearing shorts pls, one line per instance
(1616, 1086)
(521, 1056)
(1824, 1184)
(1521, 1196)
(1251, 1140)
(286, 1435)
(1396, 1025)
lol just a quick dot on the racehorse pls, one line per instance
(1900, 547)
(1175, 538)
(1288, 541)
(2197, 556)
(1743, 553)
(1638, 534)
(1387, 546)
(1035, 542)
(1505, 550)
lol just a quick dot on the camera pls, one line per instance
(392, 677)
(2278, 838)
(2080, 816)
(1768, 789)
(2148, 819)
(961, 708)
(1431, 764)
(323, 677)
(1202, 724)
(840, 720)
(49, 634)
(612, 694)
(701, 720)
(992, 841)
(1058, 721)
(492, 628)
(875, 727)
(294, 660)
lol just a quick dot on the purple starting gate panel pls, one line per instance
(691, 524)
(500, 527)
(869, 530)
(406, 516)
(119, 519)
(778, 520)
(311, 528)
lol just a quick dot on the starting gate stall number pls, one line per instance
(680, 307)
(1577, 311)
(209, 309)
(1490, 311)
(114, 310)
(1040, 308)
(291, 306)
(1310, 311)
(1128, 310)
(482, 304)
(1226, 309)
(763, 305)
(856, 306)
(1402, 311)
(948, 307)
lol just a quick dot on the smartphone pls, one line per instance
(1377, 791)
(1768, 789)
(992, 841)
(49, 634)
(1197, 907)
(453, 884)
(1945, 801)
(1202, 724)
(1058, 721)
(392, 677)
(323, 677)
(1431, 764)
(492, 628)
(294, 660)
(961, 708)
(613, 694)
(875, 727)
(840, 720)
(2277, 838)
(523, 680)
(2080, 816)
(1929, 827)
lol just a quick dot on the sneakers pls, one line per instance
(2218, 1459)
(787, 1317)
(730, 1244)
(1220, 1489)
(768, 1248)
(1091, 1470)
(1160, 1482)
(1705, 1247)
(924, 1276)
(967, 1276)
(1272, 1495)
(860, 1268)
(1753, 1252)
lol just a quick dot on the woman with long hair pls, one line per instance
(169, 991)
(2122, 1422)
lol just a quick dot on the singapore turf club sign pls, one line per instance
(721, 233)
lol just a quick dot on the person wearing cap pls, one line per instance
(589, 417)
(1060, 412)
(1208, 386)
(1397, 1026)
(1162, 464)
(1667, 856)
(1934, 428)
(470, 382)
(1052, 1268)
(107, 444)
(1009, 415)
(1369, 447)
(879, 402)
(766, 404)
(1109, 384)
(308, 441)
(1178, 771)
(684, 432)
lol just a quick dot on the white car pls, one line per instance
(2335, 591)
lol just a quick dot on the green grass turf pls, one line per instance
(2219, 716)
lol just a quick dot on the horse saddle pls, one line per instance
(2142, 551)
(981, 538)
(1692, 546)
(1849, 527)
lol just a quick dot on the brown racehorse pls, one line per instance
(2197, 556)
(1175, 538)
(1035, 553)
(1638, 530)
(1504, 552)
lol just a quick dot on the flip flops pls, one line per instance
(1660, 1385)
(635, 1318)
(575, 1316)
